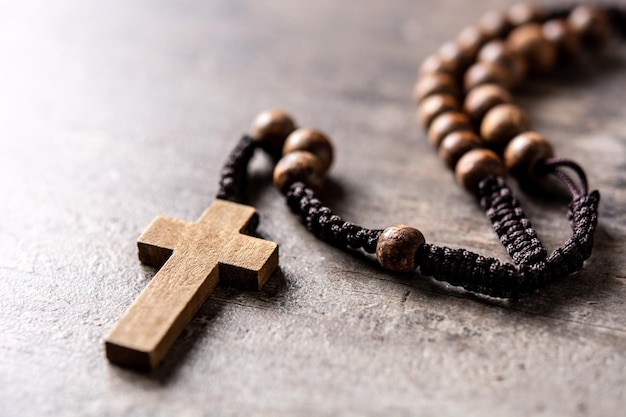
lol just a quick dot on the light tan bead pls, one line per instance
(470, 40)
(434, 63)
(487, 73)
(494, 24)
(457, 144)
(435, 83)
(529, 42)
(299, 166)
(525, 12)
(447, 123)
(497, 52)
(313, 141)
(435, 105)
(590, 24)
(483, 98)
(397, 247)
(566, 42)
(502, 123)
(523, 153)
(271, 128)
(475, 166)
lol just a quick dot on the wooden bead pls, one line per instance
(483, 98)
(494, 24)
(526, 12)
(455, 57)
(498, 52)
(271, 128)
(457, 144)
(502, 123)
(299, 166)
(434, 63)
(470, 40)
(590, 24)
(564, 39)
(313, 141)
(487, 73)
(435, 105)
(434, 83)
(475, 166)
(524, 152)
(397, 247)
(447, 123)
(529, 42)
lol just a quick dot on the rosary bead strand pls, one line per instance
(485, 61)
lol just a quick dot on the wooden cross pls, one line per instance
(193, 257)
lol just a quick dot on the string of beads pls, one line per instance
(465, 105)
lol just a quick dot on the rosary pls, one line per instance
(465, 105)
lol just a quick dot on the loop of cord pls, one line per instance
(494, 278)
(460, 267)
(555, 166)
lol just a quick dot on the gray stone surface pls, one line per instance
(114, 112)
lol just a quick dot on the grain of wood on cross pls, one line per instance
(193, 258)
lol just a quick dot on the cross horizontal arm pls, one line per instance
(157, 242)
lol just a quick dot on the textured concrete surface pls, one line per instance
(114, 112)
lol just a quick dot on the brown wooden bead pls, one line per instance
(455, 57)
(475, 166)
(457, 144)
(434, 63)
(271, 128)
(470, 40)
(498, 52)
(590, 24)
(483, 98)
(397, 247)
(435, 105)
(313, 141)
(447, 123)
(502, 123)
(494, 24)
(523, 153)
(299, 166)
(434, 83)
(529, 42)
(565, 40)
(526, 12)
(487, 73)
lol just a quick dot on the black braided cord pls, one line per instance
(461, 267)
(326, 225)
(234, 174)
(510, 223)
